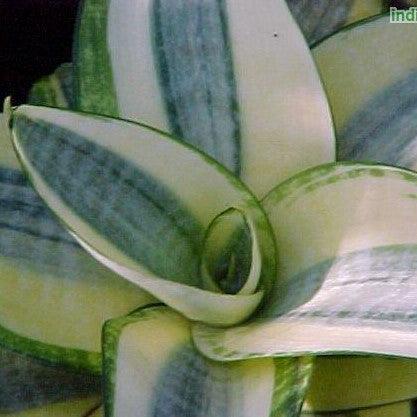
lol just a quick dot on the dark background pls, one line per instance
(35, 37)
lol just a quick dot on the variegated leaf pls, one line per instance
(373, 98)
(53, 297)
(232, 77)
(141, 205)
(347, 280)
(152, 369)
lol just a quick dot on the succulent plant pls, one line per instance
(214, 255)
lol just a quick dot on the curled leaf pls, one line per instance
(141, 205)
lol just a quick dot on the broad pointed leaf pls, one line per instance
(53, 296)
(373, 98)
(231, 77)
(141, 204)
(152, 369)
(374, 113)
(320, 18)
(347, 239)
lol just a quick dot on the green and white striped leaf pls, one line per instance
(400, 409)
(230, 259)
(55, 90)
(344, 383)
(347, 239)
(320, 18)
(152, 369)
(76, 408)
(373, 98)
(28, 382)
(232, 77)
(141, 204)
(53, 297)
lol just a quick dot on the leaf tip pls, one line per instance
(7, 110)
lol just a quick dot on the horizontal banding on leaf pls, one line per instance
(337, 272)
(193, 68)
(374, 111)
(144, 376)
(130, 206)
(43, 267)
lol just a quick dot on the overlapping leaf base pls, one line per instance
(152, 369)
(177, 224)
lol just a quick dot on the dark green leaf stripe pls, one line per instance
(181, 382)
(190, 68)
(320, 18)
(185, 377)
(28, 382)
(376, 265)
(29, 230)
(93, 93)
(37, 253)
(341, 288)
(133, 210)
(188, 374)
(374, 111)
(112, 330)
(194, 61)
(370, 289)
(384, 129)
(30, 234)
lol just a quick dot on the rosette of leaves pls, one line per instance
(213, 244)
